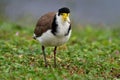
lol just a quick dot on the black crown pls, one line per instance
(64, 10)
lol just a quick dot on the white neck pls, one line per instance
(63, 26)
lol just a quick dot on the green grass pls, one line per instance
(91, 54)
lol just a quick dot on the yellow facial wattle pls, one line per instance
(65, 16)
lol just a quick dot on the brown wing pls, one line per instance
(44, 23)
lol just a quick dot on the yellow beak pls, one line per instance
(64, 16)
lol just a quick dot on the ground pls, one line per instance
(91, 54)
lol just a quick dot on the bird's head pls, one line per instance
(64, 13)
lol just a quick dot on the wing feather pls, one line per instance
(44, 23)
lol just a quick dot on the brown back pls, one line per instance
(44, 23)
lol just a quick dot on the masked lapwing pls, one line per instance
(53, 29)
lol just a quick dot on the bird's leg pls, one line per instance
(55, 56)
(43, 50)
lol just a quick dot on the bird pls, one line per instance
(53, 29)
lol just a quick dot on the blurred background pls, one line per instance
(27, 12)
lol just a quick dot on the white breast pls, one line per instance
(48, 39)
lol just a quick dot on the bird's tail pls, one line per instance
(34, 36)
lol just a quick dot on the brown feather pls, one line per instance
(44, 23)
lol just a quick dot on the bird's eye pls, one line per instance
(61, 13)
(64, 14)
